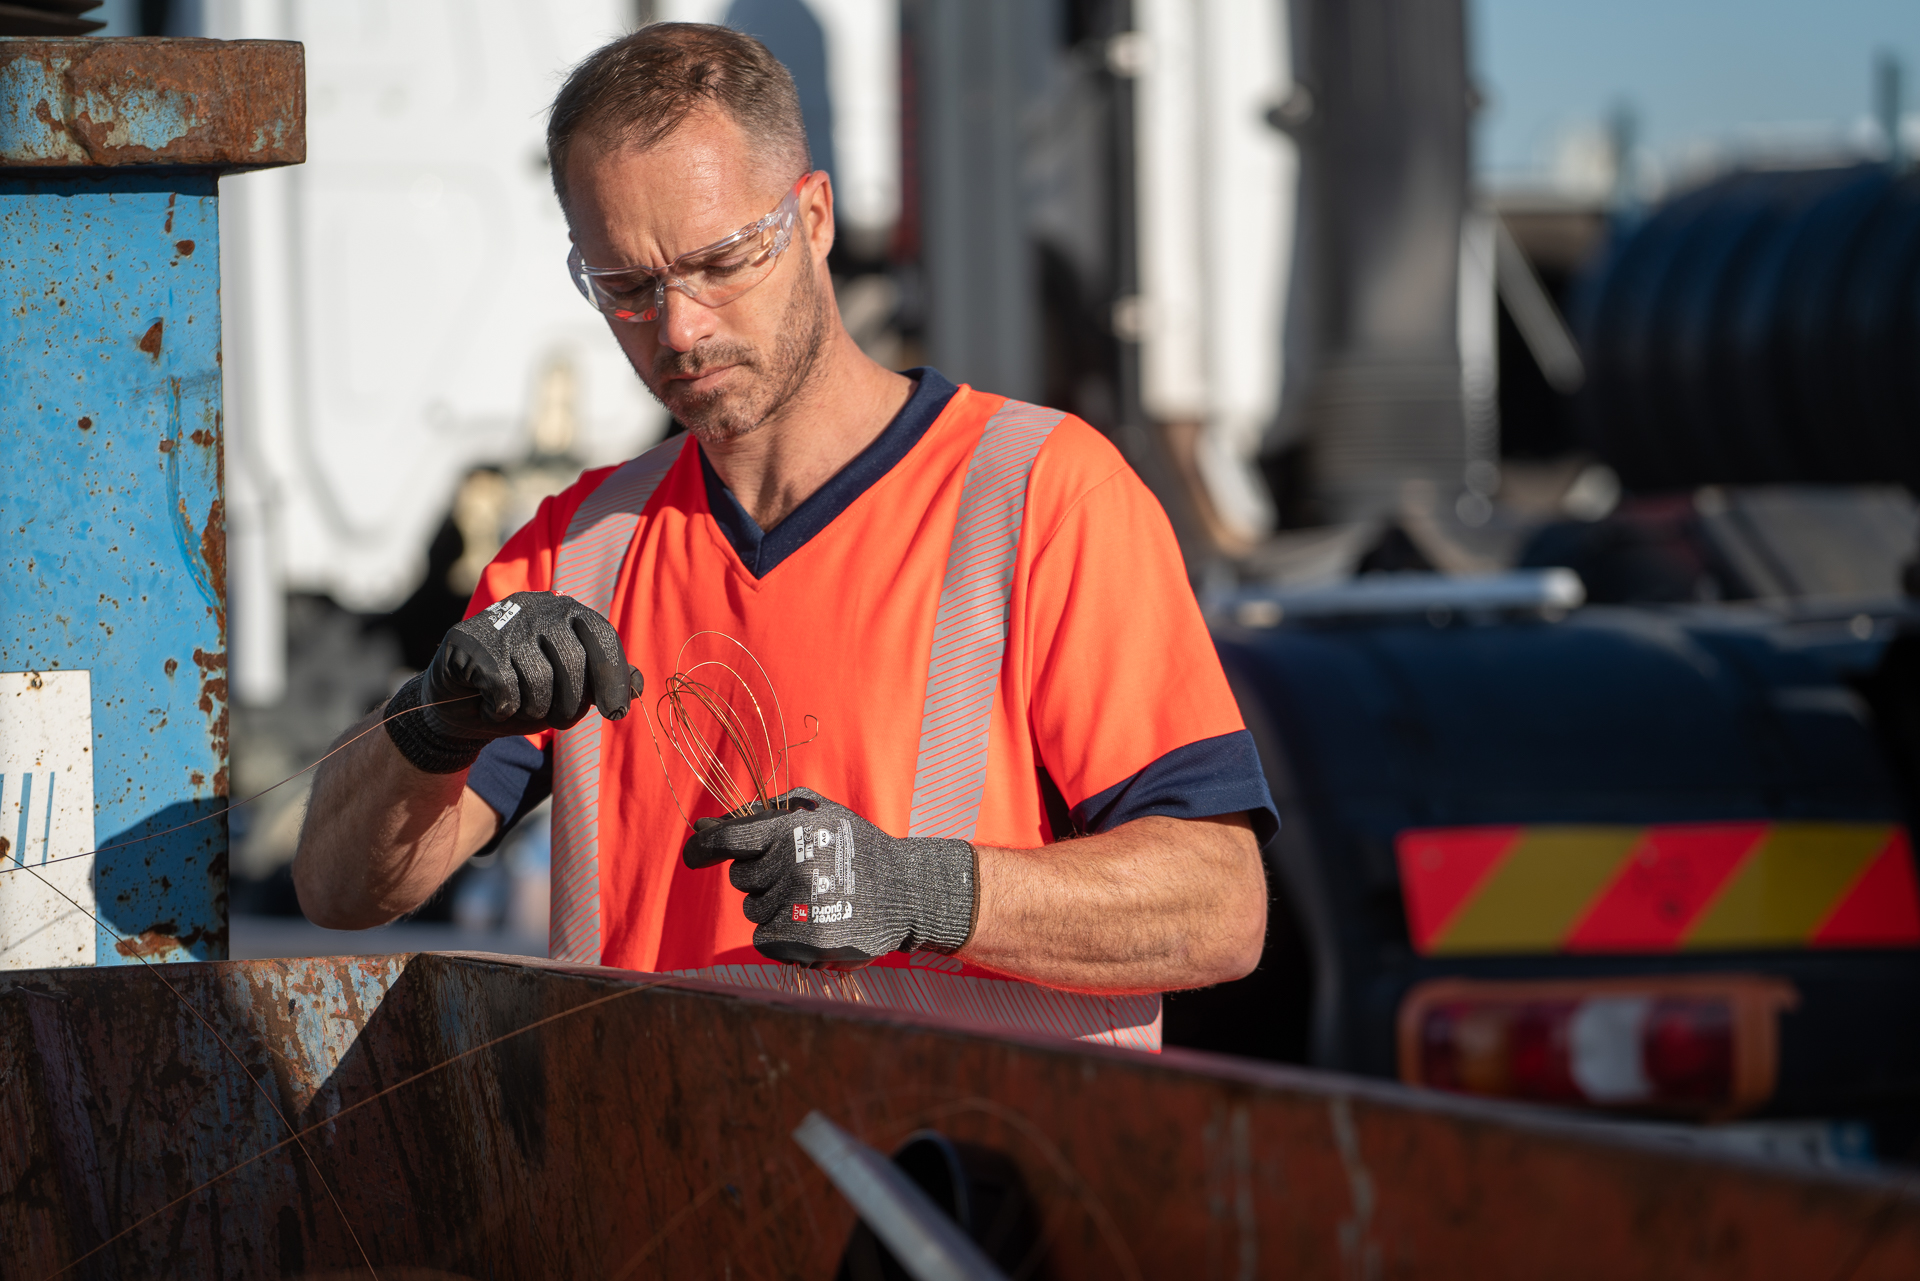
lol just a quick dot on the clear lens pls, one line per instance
(713, 276)
(633, 296)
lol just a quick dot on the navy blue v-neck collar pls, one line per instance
(761, 550)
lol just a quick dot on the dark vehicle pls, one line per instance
(1628, 828)
(1653, 860)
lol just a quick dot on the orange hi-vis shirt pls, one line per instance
(1106, 670)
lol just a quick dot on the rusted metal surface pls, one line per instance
(112, 497)
(642, 1128)
(223, 104)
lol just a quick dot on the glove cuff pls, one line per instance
(947, 914)
(426, 748)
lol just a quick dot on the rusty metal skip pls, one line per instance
(482, 1117)
(479, 1117)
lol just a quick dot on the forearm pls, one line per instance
(1155, 905)
(380, 835)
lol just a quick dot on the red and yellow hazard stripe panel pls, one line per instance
(1669, 888)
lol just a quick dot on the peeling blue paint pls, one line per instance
(26, 87)
(270, 137)
(149, 118)
(37, 114)
(101, 103)
(112, 538)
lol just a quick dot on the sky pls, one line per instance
(1695, 72)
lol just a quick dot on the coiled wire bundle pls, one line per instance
(714, 719)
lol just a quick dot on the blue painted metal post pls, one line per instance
(113, 660)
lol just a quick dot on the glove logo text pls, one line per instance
(828, 913)
(800, 913)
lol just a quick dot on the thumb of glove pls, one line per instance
(615, 682)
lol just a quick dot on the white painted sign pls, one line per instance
(46, 819)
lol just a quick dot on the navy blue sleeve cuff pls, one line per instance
(513, 776)
(1213, 776)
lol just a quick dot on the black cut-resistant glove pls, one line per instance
(829, 890)
(536, 660)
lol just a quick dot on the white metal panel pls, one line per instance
(403, 292)
(1479, 339)
(863, 75)
(863, 66)
(260, 362)
(1250, 193)
(1217, 198)
(1171, 313)
(46, 814)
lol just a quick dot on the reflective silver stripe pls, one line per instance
(925, 986)
(970, 627)
(586, 569)
(963, 673)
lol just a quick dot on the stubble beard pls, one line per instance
(776, 376)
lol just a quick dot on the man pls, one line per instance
(980, 605)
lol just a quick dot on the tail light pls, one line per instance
(1705, 1045)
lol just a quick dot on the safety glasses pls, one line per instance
(712, 277)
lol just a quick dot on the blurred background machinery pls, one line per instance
(1577, 498)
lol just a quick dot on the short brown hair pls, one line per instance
(640, 88)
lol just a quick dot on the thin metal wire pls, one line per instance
(764, 774)
(234, 805)
(698, 721)
(232, 1054)
(674, 711)
(21, 865)
(334, 1117)
(772, 693)
(711, 770)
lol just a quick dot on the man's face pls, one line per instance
(722, 371)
